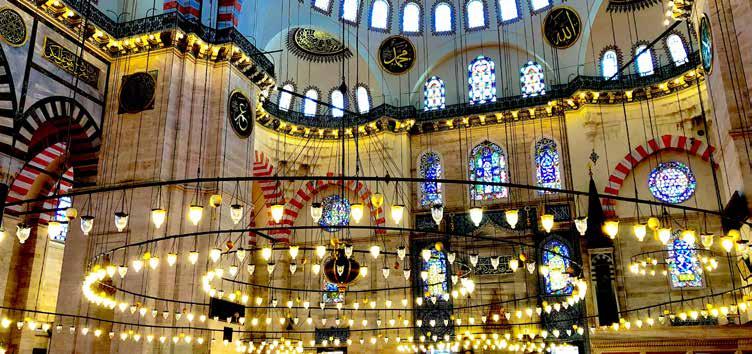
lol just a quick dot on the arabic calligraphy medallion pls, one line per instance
(137, 93)
(562, 27)
(396, 55)
(706, 44)
(241, 116)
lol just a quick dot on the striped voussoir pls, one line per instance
(64, 186)
(28, 175)
(8, 103)
(642, 152)
(270, 189)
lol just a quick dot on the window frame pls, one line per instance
(306, 99)
(452, 15)
(388, 26)
(355, 98)
(534, 11)
(684, 46)
(510, 21)
(420, 19)
(534, 161)
(327, 11)
(651, 55)
(420, 174)
(619, 60)
(291, 104)
(358, 8)
(467, 16)
(425, 94)
(504, 191)
(494, 97)
(345, 101)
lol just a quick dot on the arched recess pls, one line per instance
(642, 152)
(38, 177)
(270, 190)
(8, 105)
(310, 189)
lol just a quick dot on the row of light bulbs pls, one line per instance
(648, 266)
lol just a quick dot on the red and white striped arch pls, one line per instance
(65, 185)
(27, 177)
(270, 189)
(642, 152)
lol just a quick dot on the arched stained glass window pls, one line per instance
(685, 270)
(644, 60)
(556, 256)
(62, 204)
(363, 99)
(429, 167)
(481, 80)
(285, 98)
(380, 14)
(411, 18)
(537, 5)
(331, 293)
(350, 10)
(547, 164)
(337, 99)
(436, 282)
(323, 5)
(508, 10)
(610, 64)
(532, 80)
(676, 49)
(434, 94)
(488, 163)
(309, 103)
(476, 14)
(672, 182)
(442, 18)
(336, 212)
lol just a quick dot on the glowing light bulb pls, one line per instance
(158, 217)
(320, 251)
(397, 212)
(277, 210)
(215, 200)
(611, 228)
(356, 211)
(138, 265)
(153, 262)
(689, 236)
(172, 258)
(513, 217)
(363, 271)
(266, 253)
(214, 254)
(476, 215)
(727, 243)
(294, 251)
(195, 212)
(547, 221)
(236, 213)
(193, 257)
(121, 221)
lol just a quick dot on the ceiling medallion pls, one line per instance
(12, 27)
(562, 27)
(396, 54)
(240, 114)
(316, 46)
(137, 93)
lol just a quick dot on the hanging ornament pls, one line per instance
(654, 223)
(547, 221)
(581, 224)
(377, 200)
(437, 213)
(317, 210)
(236, 213)
(87, 224)
(451, 256)
(426, 254)
(71, 213)
(277, 210)
(397, 213)
(195, 212)
(23, 231)
(476, 215)
(158, 217)
(356, 212)
(513, 217)
(640, 230)
(401, 252)
(121, 221)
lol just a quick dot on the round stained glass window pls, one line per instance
(672, 182)
(336, 212)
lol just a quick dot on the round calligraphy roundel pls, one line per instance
(240, 115)
(562, 27)
(396, 55)
(706, 44)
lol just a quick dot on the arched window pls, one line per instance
(481, 80)
(411, 18)
(309, 103)
(684, 267)
(323, 5)
(556, 257)
(436, 283)
(508, 10)
(363, 99)
(532, 80)
(62, 205)
(476, 14)
(538, 5)
(337, 99)
(644, 60)
(610, 64)
(547, 164)
(676, 49)
(429, 167)
(331, 293)
(434, 94)
(350, 10)
(488, 163)
(443, 21)
(285, 98)
(380, 15)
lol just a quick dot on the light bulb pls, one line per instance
(513, 217)
(363, 271)
(121, 221)
(23, 231)
(611, 228)
(195, 212)
(664, 235)
(87, 224)
(547, 221)
(158, 217)
(437, 213)
(375, 251)
(476, 215)
(640, 230)
(356, 211)
(214, 254)
(278, 210)
(377, 200)
(317, 211)
(397, 213)
(581, 224)
(266, 253)
(294, 251)
(54, 228)
(236, 213)
(193, 257)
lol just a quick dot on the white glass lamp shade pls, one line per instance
(277, 210)
(320, 251)
(401, 252)
(547, 221)
(121, 221)
(707, 240)
(356, 212)
(87, 224)
(23, 231)
(437, 213)
(294, 250)
(266, 253)
(316, 212)
(640, 230)
(425, 254)
(193, 257)
(581, 225)
(664, 235)
(476, 215)
(689, 236)
(375, 251)
(513, 217)
(54, 228)
(158, 217)
(195, 212)
(214, 254)
(236, 213)
(240, 254)
(611, 228)
(397, 213)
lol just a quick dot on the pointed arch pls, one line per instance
(610, 61)
(285, 99)
(676, 46)
(309, 106)
(411, 22)
(8, 105)
(476, 15)
(556, 254)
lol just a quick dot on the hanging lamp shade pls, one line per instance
(266, 253)
(172, 258)
(317, 210)
(437, 213)
(71, 213)
(611, 228)
(240, 254)
(356, 212)
(727, 243)
(195, 212)
(640, 230)
(348, 250)
(581, 225)
(23, 231)
(707, 240)
(397, 213)
(476, 215)
(377, 200)
(294, 250)
(278, 210)
(320, 251)
(401, 252)
(547, 221)
(375, 251)
(514, 264)
(425, 254)
(193, 257)
(87, 224)
(214, 254)
(158, 217)
(513, 217)
(342, 271)
(689, 236)
(54, 228)
(121, 221)
(664, 235)
(236, 213)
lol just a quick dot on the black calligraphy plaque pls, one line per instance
(396, 55)
(66, 60)
(562, 27)
(137, 93)
(240, 114)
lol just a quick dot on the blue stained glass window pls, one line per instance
(336, 212)
(434, 94)
(481, 80)
(430, 168)
(63, 204)
(532, 80)
(332, 294)
(685, 270)
(547, 164)
(488, 163)
(556, 257)
(436, 283)
(672, 182)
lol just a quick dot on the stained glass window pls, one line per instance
(644, 60)
(332, 294)
(436, 283)
(672, 182)
(363, 99)
(309, 103)
(430, 168)
(684, 267)
(556, 257)
(476, 15)
(411, 18)
(481, 80)
(63, 204)
(350, 10)
(379, 14)
(676, 49)
(434, 94)
(488, 163)
(610, 64)
(337, 100)
(285, 98)
(508, 10)
(336, 212)
(532, 79)
(443, 18)
(547, 164)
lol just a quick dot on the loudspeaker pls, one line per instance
(227, 334)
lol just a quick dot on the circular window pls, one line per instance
(672, 182)
(336, 212)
